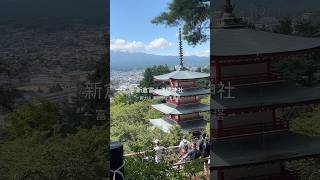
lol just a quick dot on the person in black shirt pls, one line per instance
(192, 154)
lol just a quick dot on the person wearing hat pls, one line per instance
(184, 145)
(159, 151)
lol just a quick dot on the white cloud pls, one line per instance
(131, 46)
(125, 46)
(158, 43)
(205, 53)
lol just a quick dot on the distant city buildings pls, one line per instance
(49, 64)
(312, 16)
(128, 81)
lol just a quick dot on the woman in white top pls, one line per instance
(159, 151)
(184, 146)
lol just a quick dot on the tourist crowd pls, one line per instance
(188, 150)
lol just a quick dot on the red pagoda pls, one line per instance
(250, 138)
(182, 105)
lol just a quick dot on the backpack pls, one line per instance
(206, 150)
(201, 145)
(197, 154)
(185, 146)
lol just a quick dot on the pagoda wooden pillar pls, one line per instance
(274, 118)
(220, 127)
(220, 175)
(269, 68)
(218, 71)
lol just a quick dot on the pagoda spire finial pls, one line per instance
(180, 48)
(228, 8)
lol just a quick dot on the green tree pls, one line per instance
(9, 96)
(306, 122)
(306, 28)
(194, 16)
(147, 80)
(126, 98)
(149, 73)
(303, 71)
(206, 70)
(34, 117)
(55, 88)
(139, 168)
(79, 156)
(285, 26)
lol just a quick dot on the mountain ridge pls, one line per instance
(126, 61)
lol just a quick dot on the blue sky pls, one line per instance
(131, 29)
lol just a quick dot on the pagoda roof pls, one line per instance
(184, 92)
(245, 41)
(165, 124)
(278, 94)
(182, 109)
(260, 149)
(182, 75)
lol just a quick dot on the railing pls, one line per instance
(189, 86)
(292, 174)
(144, 153)
(249, 129)
(179, 102)
(172, 101)
(253, 78)
(187, 119)
(173, 156)
(287, 174)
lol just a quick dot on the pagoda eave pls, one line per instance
(261, 57)
(166, 124)
(180, 110)
(182, 75)
(262, 149)
(267, 107)
(248, 42)
(192, 92)
(267, 97)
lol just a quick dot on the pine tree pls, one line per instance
(192, 14)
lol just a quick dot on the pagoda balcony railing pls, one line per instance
(179, 102)
(287, 174)
(253, 79)
(187, 119)
(251, 129)
(185, 86)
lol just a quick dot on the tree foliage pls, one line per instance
(148, 80)
(307, 122)
(78, 156)
(192, 14)
(307, 28)
(42, 141)
(128, 121)
(285, 26)
(303, 71)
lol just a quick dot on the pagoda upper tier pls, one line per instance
(266, 148)
(250, 42)
(267, 96)
(182, 105)
(182, 75)
(243, 56)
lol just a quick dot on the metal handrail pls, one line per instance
(169, 148)
(288, 173)
(281, 124)
(149, 151)
(252, 78)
